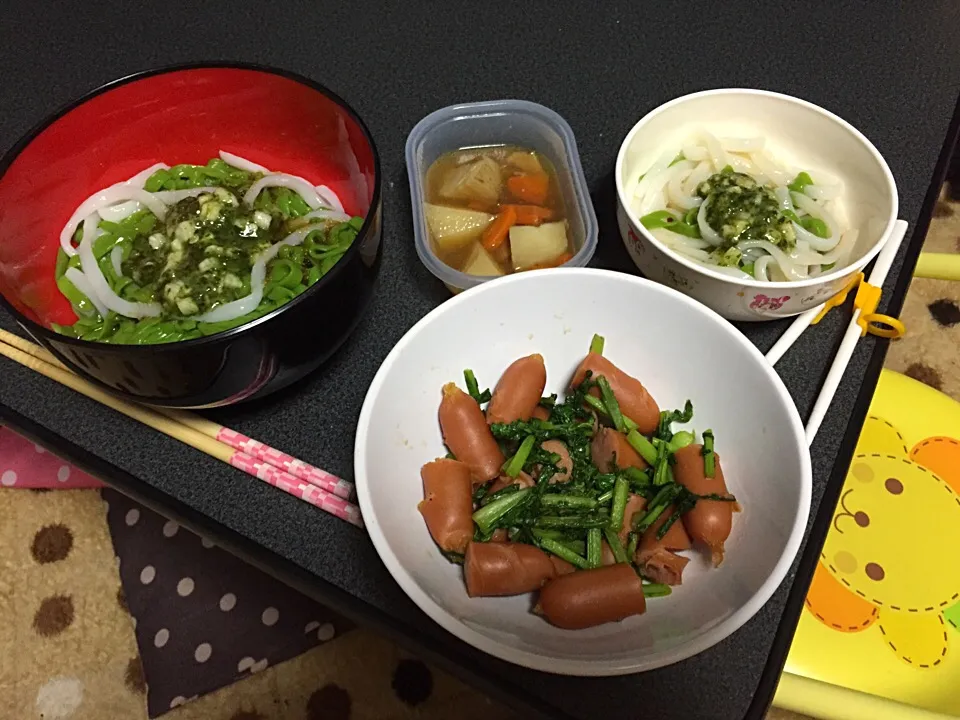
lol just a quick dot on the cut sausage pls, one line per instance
(676, 538)
(447, 505)
(607, 445)
(636, 504)
(540, 413)
(634, 400)
(593, 597)
(523, 480)
(662, 566)
(519, 390)
(709, 522)
(656, 558)
(466, 433)
(566, 462)
(561, 566)
(505, 568)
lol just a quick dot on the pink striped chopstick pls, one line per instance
(192, 430)
(264, 453)
(281, 460)
(312, 494)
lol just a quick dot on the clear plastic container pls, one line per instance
(499, 122)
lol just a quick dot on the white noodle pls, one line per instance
(748, 168)
(699, 174)
(760, 268)
(325, 214)
(688, 246)
(675, 191)
(742, 145)
(242, 163)
(694, 152)
(242, 306)
(823, 193)
(116, 259)
(841, 253)
(707, 232)
(98, 283)
(75, 275)
(116, 213)
(118, 193)
(637, 189)
(814, 241)
(717, 155)
(300, 186)
(783, 197)
(769, 167)
(656, 194)
(172, 197)
(812, 207)
(332, 200)
(798, 256)
(258, 274)
(790, 269)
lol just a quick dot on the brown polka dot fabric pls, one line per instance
(51, 543)
(247, 715)
(204, 619)
(412, 682)
(945, 311)
(925, 374)
(54, 615)
(331, 702)
(133, 678)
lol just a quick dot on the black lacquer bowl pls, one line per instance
(187, 115)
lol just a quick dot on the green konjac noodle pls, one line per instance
(190, 265)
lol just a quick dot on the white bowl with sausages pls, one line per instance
(678, 349)
(796, 134)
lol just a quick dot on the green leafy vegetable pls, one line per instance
(594, 549)
(474, 389)
(596, 345)
(709, 460)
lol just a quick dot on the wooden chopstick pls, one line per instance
(39, 360)
(238, 441)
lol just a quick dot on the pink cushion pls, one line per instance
(25, 465)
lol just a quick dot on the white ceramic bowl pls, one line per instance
(679, 349)
(799, 134)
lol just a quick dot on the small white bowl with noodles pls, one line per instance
(757, 204)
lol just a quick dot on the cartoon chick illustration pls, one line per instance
(890, 558)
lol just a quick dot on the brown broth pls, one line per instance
(449, 163)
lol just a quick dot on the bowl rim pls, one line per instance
(826, 278)
(568, 666)
(504, 106)
(8, 158)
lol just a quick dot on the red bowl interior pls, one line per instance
(176, 116)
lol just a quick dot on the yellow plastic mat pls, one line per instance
(880, 634)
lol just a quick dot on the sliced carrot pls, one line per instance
(531, 214)
(496, 232)
(556, 262)
(531, 188)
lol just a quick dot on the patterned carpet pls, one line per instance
(92, 624)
